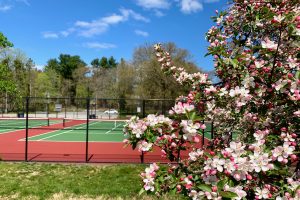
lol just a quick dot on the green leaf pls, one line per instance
(221, 184)
(298, 75)
(141, 192)
(204, 187)
(230, 183)
(192, 115)
(174, 191)
(228, 194)
(234, 62)
(161, 179)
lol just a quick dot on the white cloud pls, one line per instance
(134, 15)
(96, 27)
(141, 33)
(6, 5)
(50, 35)
(154, 4)
(67, 32)
(113, 19)
(97, 45)
(5, 8)
(190, 6)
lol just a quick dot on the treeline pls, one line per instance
(69, 76)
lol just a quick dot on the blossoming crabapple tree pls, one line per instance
(254, 108)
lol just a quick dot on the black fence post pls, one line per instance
(142, 157)
(144, 104)
(26, 140)
(65, 109)
(87, 129)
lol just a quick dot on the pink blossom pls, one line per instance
(268, 44)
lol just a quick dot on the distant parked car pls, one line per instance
(111, 111)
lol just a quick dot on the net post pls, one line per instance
(26, 140)
(87, 128)
(48, 122)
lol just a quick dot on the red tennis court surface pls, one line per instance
(12, 148)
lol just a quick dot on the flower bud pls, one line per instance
(214, 188)
(283, 129)
(283, 135)
(285, 161)
(289, 180)
(249, 177)
(290, 75)
(237, 177)
(287, 195)
(213, 172)
(293, 157)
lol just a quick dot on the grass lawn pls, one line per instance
(70, 181)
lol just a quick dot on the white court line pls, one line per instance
(78, 126)
(23, 139)
(21, 129)
(4, 131)
(113, 129)
(60, 133)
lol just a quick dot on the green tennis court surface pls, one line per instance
(99, 131)
(10, 124)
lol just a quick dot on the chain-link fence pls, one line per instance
(73, 130)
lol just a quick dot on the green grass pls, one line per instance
(70, 181)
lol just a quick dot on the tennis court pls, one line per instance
(66, 140)
(98, 131)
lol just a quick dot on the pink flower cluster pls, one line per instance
(149, 176)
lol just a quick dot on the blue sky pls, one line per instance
(94, 28)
